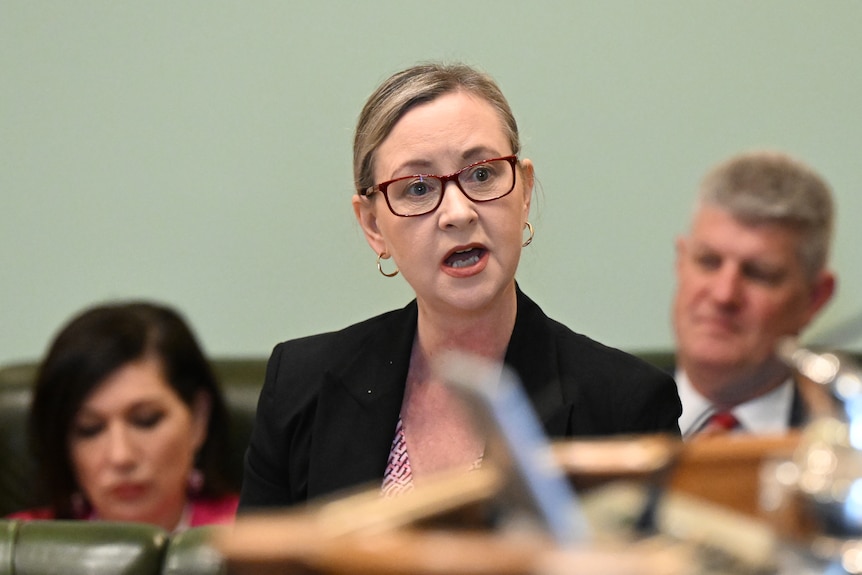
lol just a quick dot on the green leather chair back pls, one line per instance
(190, 553)
(106, 548)
(17, 467)
(88, 548)
(240, 379)
(663, 359)
(8, 531)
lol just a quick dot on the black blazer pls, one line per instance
(327, 412)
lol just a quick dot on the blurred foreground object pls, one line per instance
(818, 491)
(430, 530)
(517, 514)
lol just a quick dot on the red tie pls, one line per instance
(718, 423)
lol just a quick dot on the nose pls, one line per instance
(456, 209)
(120, 448)
(726, 285)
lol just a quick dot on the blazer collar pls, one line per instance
(359, 402)
(533, 354)
(379, 372)
(379, 367)
(362, 394)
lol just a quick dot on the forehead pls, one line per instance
(456, 127)
(718, 230)
(132, 383)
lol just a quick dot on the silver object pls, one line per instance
(825, 476)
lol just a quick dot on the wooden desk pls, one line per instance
(366, 534)
(726, 469)
(707, 484)
(280, 545)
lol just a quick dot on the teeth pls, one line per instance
(464, 263)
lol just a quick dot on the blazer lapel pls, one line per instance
(532, 353)
(360, 402)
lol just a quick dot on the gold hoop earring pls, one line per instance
(529, 240)
(380, 267)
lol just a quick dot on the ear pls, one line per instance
(681, 248)
(201, 408)
(528, 179)
(822, 291)
(363, 209)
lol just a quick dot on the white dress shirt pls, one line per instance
(766, 414)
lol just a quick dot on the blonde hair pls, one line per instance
(409, 88)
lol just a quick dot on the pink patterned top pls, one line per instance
(398, 477)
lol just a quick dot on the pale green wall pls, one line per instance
(199, 152)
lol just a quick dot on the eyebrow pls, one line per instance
(412, 168)
(422, 166)
(147, 402)
(765, 261)
(479, 153)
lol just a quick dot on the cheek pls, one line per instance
(85, 459)
(407, 239)
(169, 461)
(172, 449)
(687, 286)
(784, 313)
(510, 224)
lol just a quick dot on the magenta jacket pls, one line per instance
(219, 511)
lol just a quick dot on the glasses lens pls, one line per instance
(414, 195)
(481, 182)
(487, 180)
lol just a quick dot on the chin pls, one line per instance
(463, 302)
(140, 511)
(712, 355)
(478, 296)
(125, 515)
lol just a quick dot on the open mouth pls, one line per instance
(464, 258)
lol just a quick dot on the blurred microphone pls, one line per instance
(820, 368)
(836, 373)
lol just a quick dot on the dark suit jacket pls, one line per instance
(798, 409)
(327, 412)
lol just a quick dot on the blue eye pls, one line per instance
(481, 177)
(418, 188)
(415, 188)
(482, 174)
